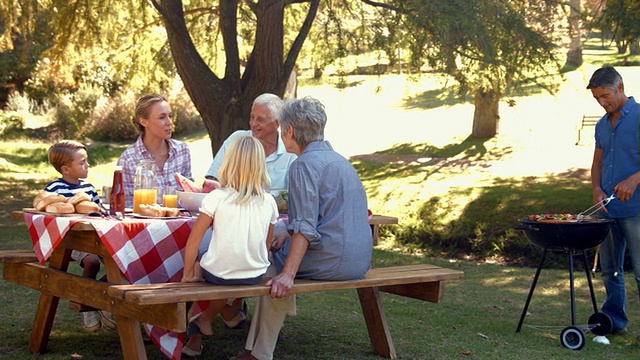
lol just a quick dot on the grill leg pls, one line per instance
(533, 286)
(573, 303)
(586, 270)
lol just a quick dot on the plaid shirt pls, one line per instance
(179, 161)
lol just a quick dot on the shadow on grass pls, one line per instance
(448, 96)
(477, 222)
(425, 158)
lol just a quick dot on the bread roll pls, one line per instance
(41, 196)
(60, 208)
(171, 211)
(154, 210)
(49, 198)
(79, 197)
(87, 207)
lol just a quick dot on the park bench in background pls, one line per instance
(587, 121)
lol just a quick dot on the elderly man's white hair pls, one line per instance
(272, 102)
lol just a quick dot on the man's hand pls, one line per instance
(625, 188)
(278, 241)
(598, 196)
(280, 284)
(209, 185)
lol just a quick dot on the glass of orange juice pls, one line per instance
(144, 196)
(169, 197)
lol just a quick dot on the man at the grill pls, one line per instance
(615, 170)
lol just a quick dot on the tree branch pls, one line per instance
(296, 47)
(382, 5)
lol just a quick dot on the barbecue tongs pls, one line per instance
(592, 210)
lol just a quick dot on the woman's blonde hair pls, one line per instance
(143, 109)
(244, 168)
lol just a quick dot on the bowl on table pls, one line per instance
(190, 201)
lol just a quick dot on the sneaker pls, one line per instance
(106, 318)
(91, 321)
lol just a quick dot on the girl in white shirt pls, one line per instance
(244, 216)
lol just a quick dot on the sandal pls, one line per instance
(190, 352)
(237, 320)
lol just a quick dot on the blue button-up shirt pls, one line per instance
(328, 205)
(620, 157)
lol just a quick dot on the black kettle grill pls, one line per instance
(573, 238)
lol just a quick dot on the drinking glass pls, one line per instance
(169, 197)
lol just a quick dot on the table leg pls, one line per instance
(375, 233)
(47, 306)
(131, 339)
(379, 333)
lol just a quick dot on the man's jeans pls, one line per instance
(625, 234)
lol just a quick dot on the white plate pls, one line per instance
(34, 211)
(140, 216)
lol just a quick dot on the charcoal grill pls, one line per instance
(574, 239)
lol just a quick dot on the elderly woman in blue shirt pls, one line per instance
(328, 222)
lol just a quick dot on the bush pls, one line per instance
(73, 116)
(186, 121)
(11, 125)
(186, 118)
(112, 121)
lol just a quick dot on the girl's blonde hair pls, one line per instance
(244, 168)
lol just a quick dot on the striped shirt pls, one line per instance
(68, 189)
(179, 161)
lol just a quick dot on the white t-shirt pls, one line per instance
(238, 248)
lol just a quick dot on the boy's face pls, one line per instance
(78, 168)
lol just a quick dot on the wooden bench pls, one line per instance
(167, 304)
(587, 120)
(376, 221)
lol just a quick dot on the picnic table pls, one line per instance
(143, 261)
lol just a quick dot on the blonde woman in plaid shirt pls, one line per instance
(153, 118)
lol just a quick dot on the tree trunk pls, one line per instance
(219, 101)
(634, 47)
(486, 113)
(574, 55)
(225, 103)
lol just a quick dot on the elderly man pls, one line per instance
(331, 238)
(264, 122)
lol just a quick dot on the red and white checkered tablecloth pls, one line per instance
(146, 251)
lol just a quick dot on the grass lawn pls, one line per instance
(395, 131)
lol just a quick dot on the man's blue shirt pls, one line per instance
(620, 158)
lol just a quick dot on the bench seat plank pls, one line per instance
(92, 293)
(19, 256)
(389, 279)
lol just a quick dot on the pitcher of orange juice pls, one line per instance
(145, 185)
